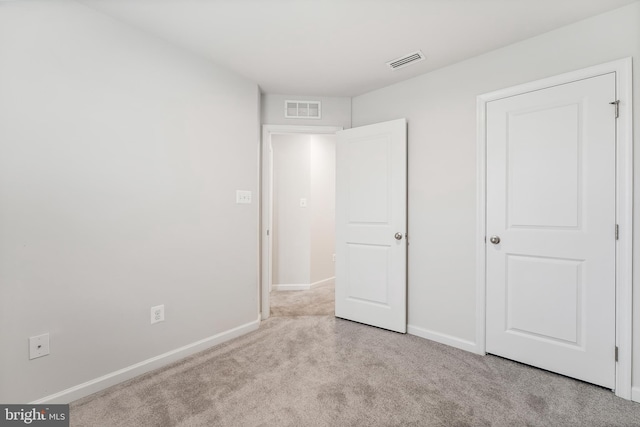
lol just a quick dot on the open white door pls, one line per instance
(371, 225)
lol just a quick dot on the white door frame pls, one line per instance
(267, 198)
(624, 206)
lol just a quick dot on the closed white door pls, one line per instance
(551, 203)
(371, 225)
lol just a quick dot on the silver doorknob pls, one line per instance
(494, 239)
(398, 236)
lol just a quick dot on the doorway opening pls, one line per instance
(298, 219)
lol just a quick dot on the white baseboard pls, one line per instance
(443, 339)
(300, 287)
(113, 378)
(291, 287)
(322, 282)
(635, 394)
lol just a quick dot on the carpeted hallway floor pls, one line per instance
(317, 301)
(322, 371)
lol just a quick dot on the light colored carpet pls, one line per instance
(319, 300)
(322, 371)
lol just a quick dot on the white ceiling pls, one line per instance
(340, 47)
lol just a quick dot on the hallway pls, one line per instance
(317, 301)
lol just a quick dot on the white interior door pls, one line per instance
(551, 202)
(371, 225)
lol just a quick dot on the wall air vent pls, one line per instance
(302, 109)
(408, 59)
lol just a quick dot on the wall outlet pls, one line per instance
(243, 197)
(157, 314)
(38, 346)
(303, 203)
(334, 257)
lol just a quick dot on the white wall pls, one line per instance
(291, 256)
(441, 110)
(335, 111)
(323, 206)
(119, 161)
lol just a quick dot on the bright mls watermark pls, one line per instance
(34, 415)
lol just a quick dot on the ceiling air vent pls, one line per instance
(408, 59)
(302, 109)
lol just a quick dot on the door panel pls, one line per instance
(366, 172)
(544, 297)
(368, 273)
(551, 201)
(548, 199)
(371, 179)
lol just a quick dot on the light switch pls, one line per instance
(303, 203)
(243, 197)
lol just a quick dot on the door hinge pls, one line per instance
(616, 353)
(617, 105)
(267, 232)
(617, 232)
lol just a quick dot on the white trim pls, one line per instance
(116, 377)
(258, 180)
(481, 217)
(624, 206)
(322, 282)
(266, 194)
(635, 394)
(624, 212)
(301, 287)
(449, 340)
(290, 287)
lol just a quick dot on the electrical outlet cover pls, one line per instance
(38, 346)
(157, 314)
